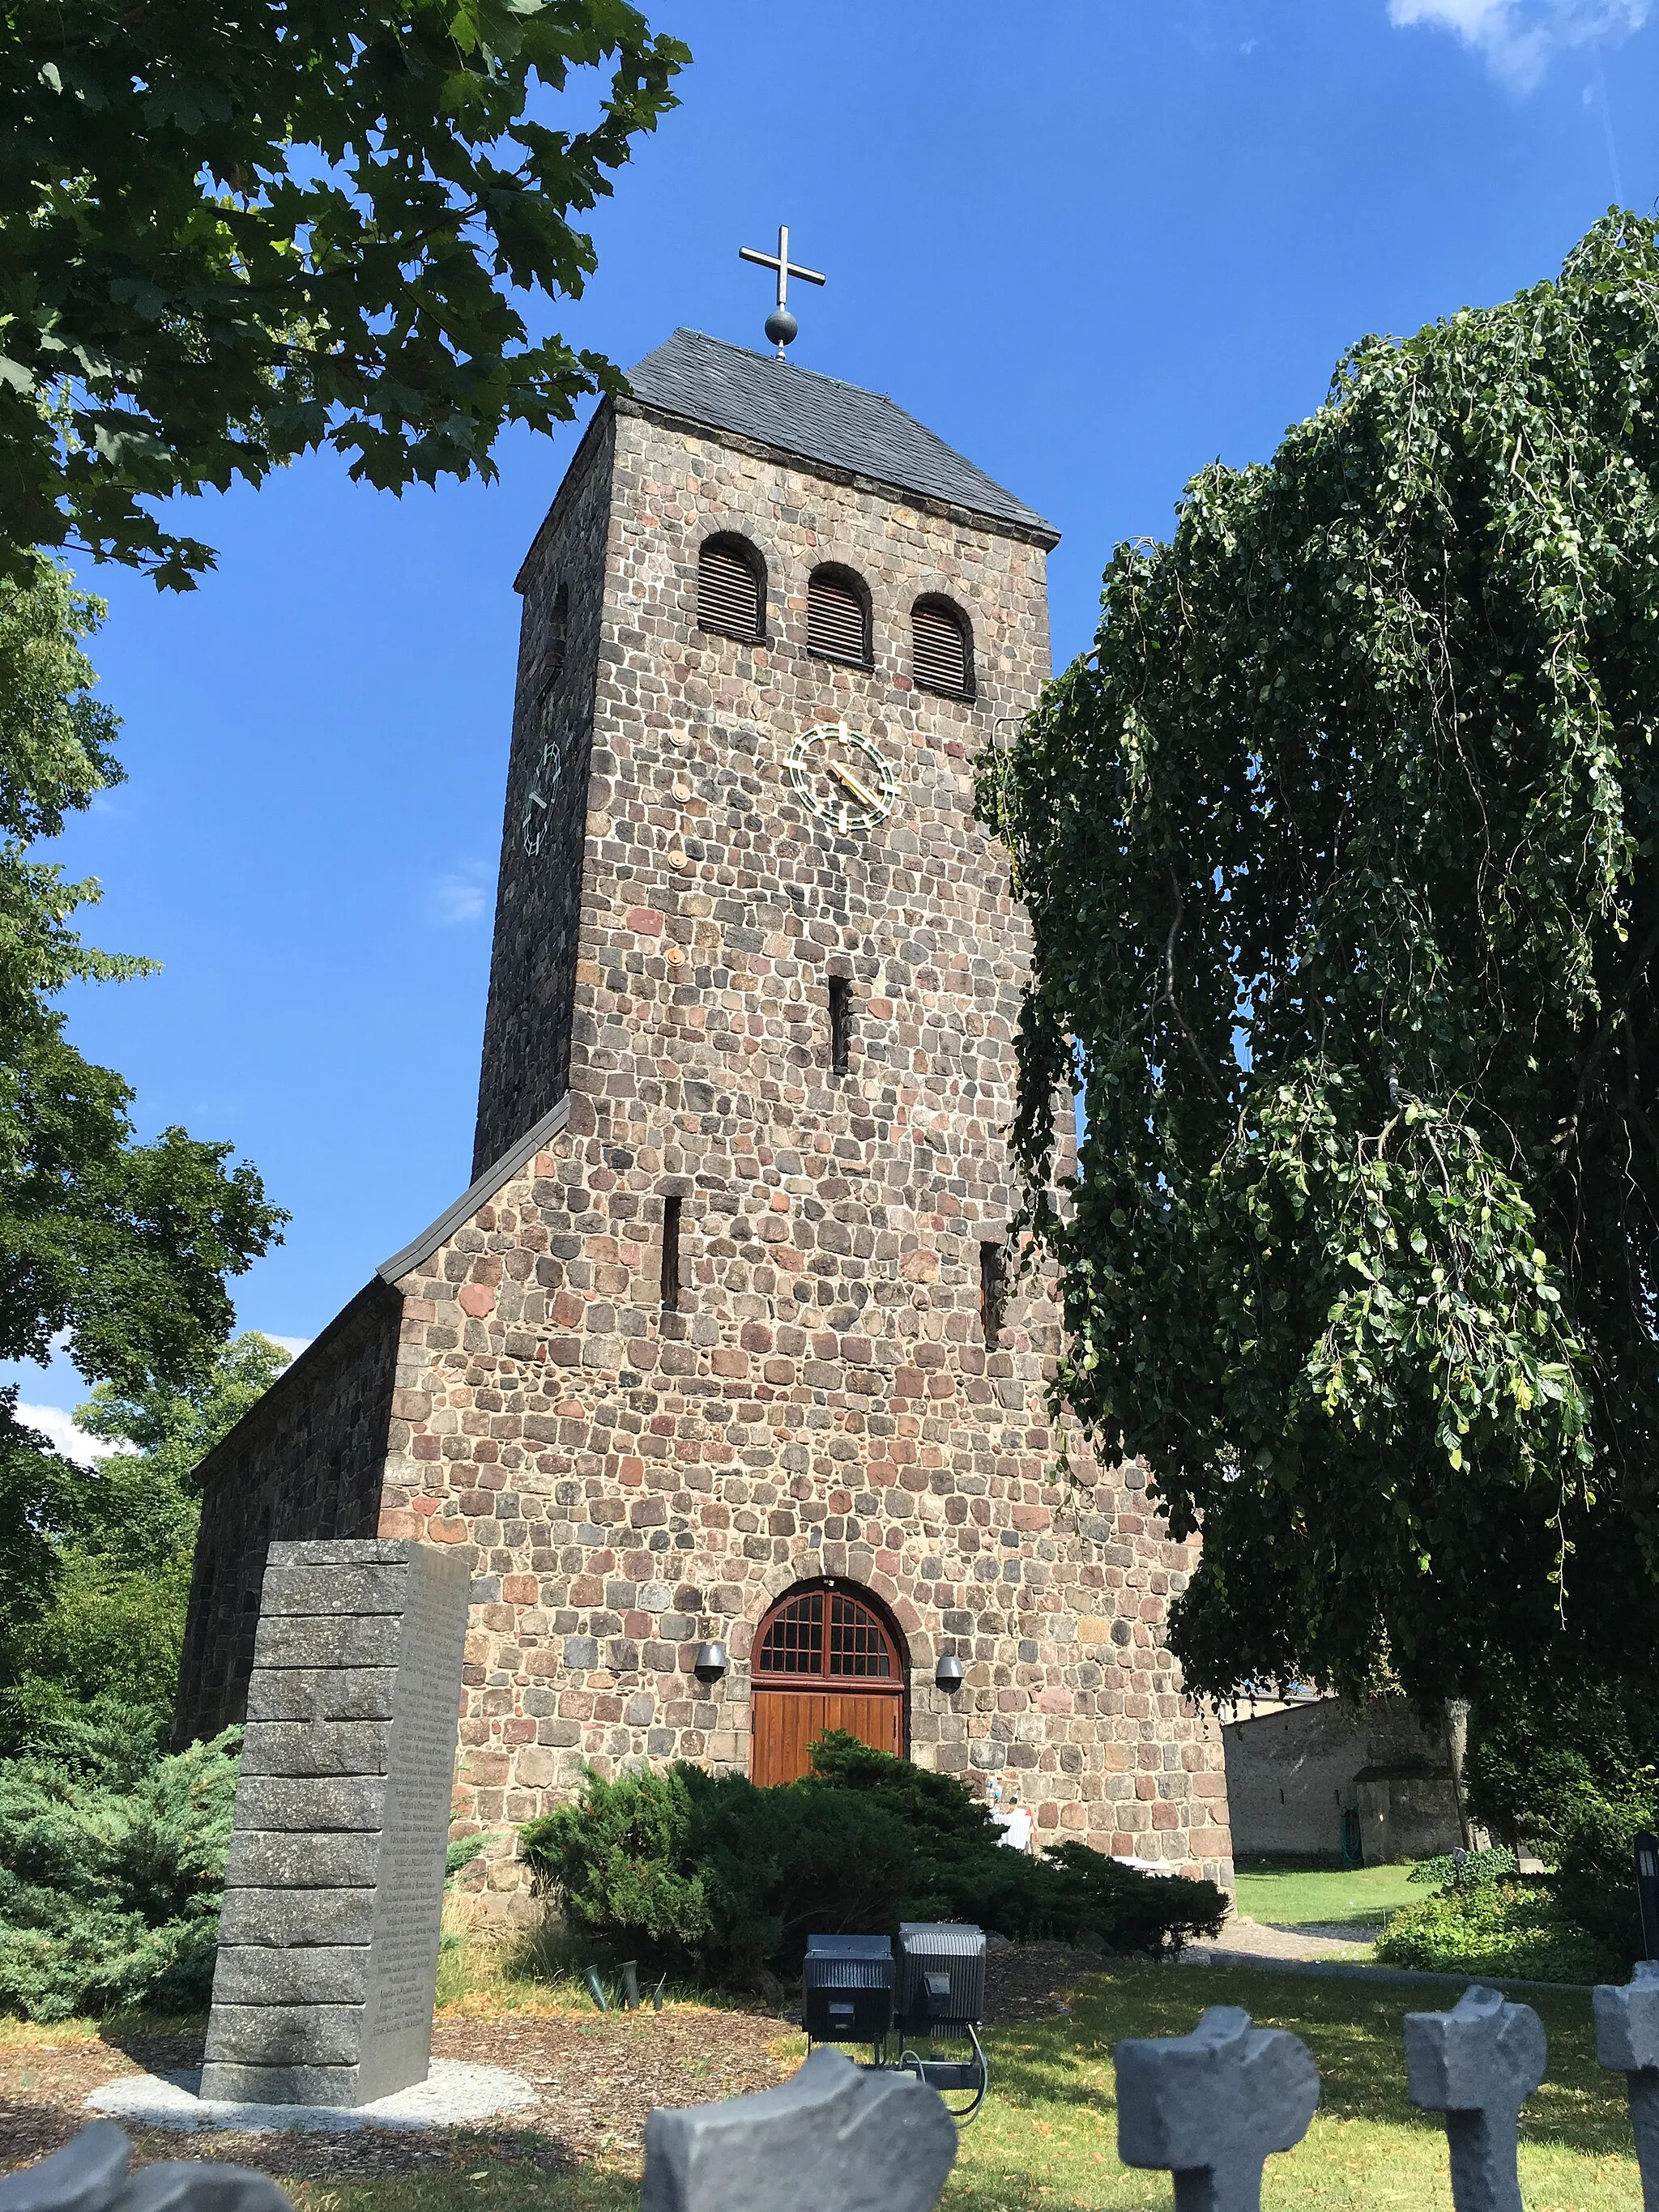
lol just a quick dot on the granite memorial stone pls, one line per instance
(328, 1944)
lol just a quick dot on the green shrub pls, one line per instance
(111, 1866)
(1594, 1882)
(936, 1808)
(1506, 1928)
(706, 1874)
(1478, 1869)
(1572, 1765)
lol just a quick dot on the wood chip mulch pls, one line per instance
(598, 2077)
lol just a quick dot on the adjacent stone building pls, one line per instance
(1311, 1778)
(719, 1372)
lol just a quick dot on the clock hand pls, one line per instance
(846, 778)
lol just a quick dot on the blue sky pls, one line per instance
(1093, 243)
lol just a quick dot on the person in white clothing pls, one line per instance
(1016, 1823)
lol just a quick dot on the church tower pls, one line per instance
(718, 1370)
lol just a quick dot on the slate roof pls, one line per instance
(727, 387)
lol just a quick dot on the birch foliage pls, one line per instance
(1340, 851)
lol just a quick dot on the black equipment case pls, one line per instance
(941, 1975)
(849, 1989)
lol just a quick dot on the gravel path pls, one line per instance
(1242, 1939)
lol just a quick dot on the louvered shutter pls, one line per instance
(728, 593)
(835, 620)
(939, 650)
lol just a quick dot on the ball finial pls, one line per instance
(780, 324)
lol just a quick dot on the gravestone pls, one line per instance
(1476, 2065)
(836, 2136)
(328, 1943)
(1627, 2041)
(1209, 2108)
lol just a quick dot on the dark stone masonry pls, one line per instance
(831, 1396)
(308, 1461)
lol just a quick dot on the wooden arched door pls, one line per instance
(824, 1658)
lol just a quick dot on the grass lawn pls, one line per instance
(1047, 2139)
(1287, 1898)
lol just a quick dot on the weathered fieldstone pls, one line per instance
(329, 1936)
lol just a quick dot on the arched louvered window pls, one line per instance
(837, 620)
(731, 590)
(941, 648)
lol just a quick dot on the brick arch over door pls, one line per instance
(826, 1655)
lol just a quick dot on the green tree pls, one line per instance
(111, 1866)
(125, 1535)
(117, 1248)
(230, 235)
(1342, 852)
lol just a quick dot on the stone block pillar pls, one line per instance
(328, 1945)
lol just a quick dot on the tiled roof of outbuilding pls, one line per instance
(754, 395)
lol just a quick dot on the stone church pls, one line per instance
(717, 1372)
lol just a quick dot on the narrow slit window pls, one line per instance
(993, 1292)
(553, 645)
(671, 1255)
(841, 1023)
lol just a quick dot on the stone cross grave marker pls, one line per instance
(834, 2136)
(1627, 2042)
(328, 1943)
(1477, 2064)
(91, 2174)
(1211, 2106)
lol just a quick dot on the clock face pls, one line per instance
(841, 776)
(538, 799)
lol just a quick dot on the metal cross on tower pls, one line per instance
(780, 324)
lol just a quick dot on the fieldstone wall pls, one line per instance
(628, 1480)
(305, 1462)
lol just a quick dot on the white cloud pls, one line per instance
(59, 1428)
(1517, 38)
(463, 894)
(294, 1345)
